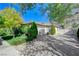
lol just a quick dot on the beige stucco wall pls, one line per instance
(45, 30)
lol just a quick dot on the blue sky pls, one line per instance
(31, 15)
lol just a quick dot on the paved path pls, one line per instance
(7, 50)
(69, 45)
(60, 45)
(42, 46)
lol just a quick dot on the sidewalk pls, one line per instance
(7, 50)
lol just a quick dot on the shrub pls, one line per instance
(17, 40)
(52, 30)
(16, 31)
(32, 32)
(2, 32)
(5, 32)
(27, 34)
(78, 33)
(24, 28)
(7, 37)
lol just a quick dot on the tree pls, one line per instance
(1, 21)
(59, 11)
(56, 11)
(24, 6)
(12, 18)
(32, 32)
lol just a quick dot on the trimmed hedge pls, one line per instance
(52, 30)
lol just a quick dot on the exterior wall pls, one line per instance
(43, 30)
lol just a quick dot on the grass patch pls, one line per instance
(17, 40)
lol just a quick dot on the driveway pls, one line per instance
(44, 45)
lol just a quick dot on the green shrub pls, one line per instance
(16, 31)
(17, 40)
(52, 30)
(5, 32)
(24, 28)
(32, 32)
(2, 32)
(78, 33)
(1, 20)
(7, 37)
(28, 34)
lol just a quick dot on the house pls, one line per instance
(42, 28)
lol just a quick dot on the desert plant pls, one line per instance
(52, 30)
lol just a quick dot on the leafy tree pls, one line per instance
(12, 17)
(32, 32)
(1, 21)
(58, 11)
(24, 6)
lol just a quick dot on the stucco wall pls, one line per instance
(43, 30)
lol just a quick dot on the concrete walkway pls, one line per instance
(7, 50)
